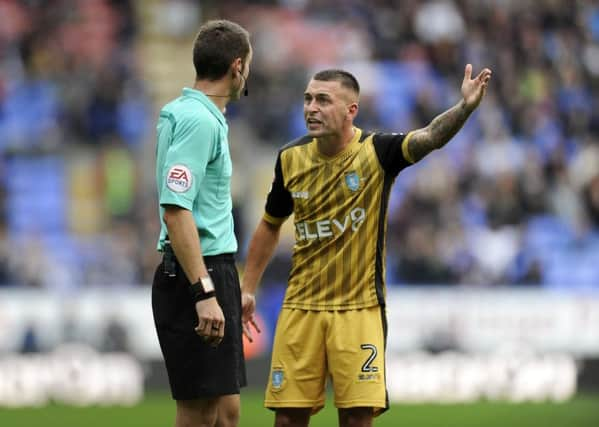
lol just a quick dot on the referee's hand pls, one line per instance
(211, 321)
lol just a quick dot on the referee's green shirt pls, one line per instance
(193, 169)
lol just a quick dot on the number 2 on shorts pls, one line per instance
(367, 366)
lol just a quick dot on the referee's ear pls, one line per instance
(236, 67)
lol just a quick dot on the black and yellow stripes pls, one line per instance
(340, 207)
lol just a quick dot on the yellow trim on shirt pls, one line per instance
(273, 219)
(404, 147)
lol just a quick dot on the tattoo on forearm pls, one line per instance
(438, 132)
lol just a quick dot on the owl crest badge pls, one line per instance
(352, 180)
(277, 378)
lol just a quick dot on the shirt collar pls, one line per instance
(211, 106)
(353, 143)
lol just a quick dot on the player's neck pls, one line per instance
(332, 145)
(218, 91)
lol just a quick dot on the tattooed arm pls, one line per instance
(420, 142)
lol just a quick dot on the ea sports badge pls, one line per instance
(179, 178)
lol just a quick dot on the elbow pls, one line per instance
(167, 217)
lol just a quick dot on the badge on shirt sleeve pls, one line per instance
(179, 178)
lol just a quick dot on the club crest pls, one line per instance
(352, 180)
(277, 378)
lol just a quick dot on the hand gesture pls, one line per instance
(211, 321)
(248, 306)
(473, 90)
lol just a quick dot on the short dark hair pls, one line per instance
(346, 78)
(217, 45)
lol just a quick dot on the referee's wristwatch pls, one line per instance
(202, 289)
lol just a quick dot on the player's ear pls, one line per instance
(352, 110)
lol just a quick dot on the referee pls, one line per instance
(195, 293)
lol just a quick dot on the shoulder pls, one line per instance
(387, 140)
(188, 110)
(386, 136)
(373, 138)
(298, 142)
(366, 135)
(189, 127)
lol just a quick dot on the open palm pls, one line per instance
(473, 90)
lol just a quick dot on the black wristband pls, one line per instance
(198, 293)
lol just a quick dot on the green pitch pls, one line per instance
(157, 411)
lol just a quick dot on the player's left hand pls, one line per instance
(473, 90)
(248, 307)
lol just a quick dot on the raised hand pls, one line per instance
(473, 90)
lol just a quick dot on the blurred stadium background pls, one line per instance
(493, 248)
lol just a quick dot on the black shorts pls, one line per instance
(195, 369)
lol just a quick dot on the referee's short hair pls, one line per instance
(217, 45)
(346, 78)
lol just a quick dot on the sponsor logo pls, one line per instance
(277, 378)
(369, 377)
(352, 180)
(299, 194)
(179, 179)
(327, 228)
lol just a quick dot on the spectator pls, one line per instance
(521, 176)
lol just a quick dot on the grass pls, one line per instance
(157, 410)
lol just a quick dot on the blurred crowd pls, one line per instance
(513, 199)
(74, 114)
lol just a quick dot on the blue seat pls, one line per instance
(36, 193)
(547, 232)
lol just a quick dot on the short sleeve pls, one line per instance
(390, 149)
(192, 147)
(279, 204)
